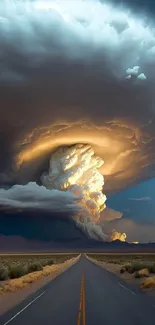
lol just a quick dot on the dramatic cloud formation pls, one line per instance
(73, 185)
(118, 236)
(76, 169)
(75, 72)
(34, 197)
(95, 45)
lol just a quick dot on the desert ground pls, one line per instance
(138, 269)
(20, 270)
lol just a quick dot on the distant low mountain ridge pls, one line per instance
(19, 244)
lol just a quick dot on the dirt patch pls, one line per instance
(15, 293)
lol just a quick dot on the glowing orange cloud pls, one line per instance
(118, 236)
(121, 236)
(116, 142)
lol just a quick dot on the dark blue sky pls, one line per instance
(137, 202)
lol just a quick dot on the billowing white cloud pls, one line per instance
(76, 169)
(141, 76)
(128, 77)
(133, 71)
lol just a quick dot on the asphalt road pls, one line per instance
(84, 295)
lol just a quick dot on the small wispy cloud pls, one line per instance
(145, 198)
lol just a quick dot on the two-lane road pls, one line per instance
(84, 295)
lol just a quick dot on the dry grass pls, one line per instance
(27, 259)
(130, 263)
(122, 259)
(132, 272)
(148, 283)
(16, 266)
(13, 285)
(143, 272)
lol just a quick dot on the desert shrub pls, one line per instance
(137, 275)
(3, 273)
(44, 263)
(130, 270)
(152, 268)
(135, 267)
(122, 270)
(36, 266)
(120, 262)
(17, 271)
(50, 262)
(114, 261)
(127, 266)
(138, 266)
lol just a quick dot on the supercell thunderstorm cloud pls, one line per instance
(76, 169)
(77, 103)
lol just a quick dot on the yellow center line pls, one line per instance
(82, 305)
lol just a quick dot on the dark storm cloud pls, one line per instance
(68, 74)
(35, 226)
(34, 197)
(5, 179)
(138, 6)
(56, 69)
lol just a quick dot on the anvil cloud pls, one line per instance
(76, 72)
